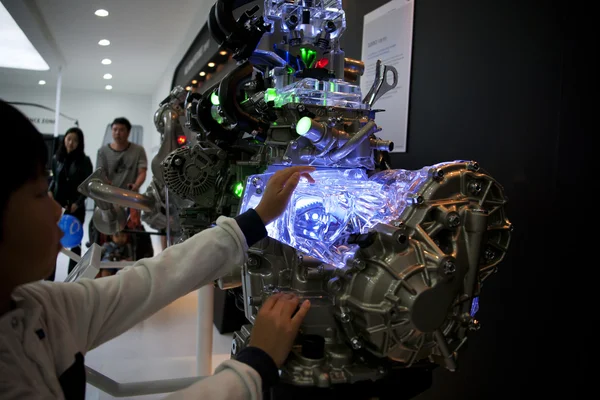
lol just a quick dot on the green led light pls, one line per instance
(270, 94)
(308, 56)
(238, 189)
(303, 125)
(214, 99)
(290, 70)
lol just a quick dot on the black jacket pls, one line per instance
(66, 177)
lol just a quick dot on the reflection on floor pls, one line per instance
(161, 347)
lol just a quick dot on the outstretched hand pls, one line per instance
(276, 325)
(279, 191)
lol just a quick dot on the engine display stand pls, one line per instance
(400, 385)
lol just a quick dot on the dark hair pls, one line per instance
(25, 139)
(122, 121)
(61, 153)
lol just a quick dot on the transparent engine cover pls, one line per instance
(320, 12)
(321, 215)
(334, 93)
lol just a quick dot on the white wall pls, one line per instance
(94, 110)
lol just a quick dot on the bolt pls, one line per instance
(438, 175)
(256, 181)
(359, 264)
(489, 254)
(178, 161)
(420, 200)
(252, 262)
(473, 166)
(301, 108)
(233, 347)
(475, 187)
(287, 160)
(401, 239)
(258, 191)
(453, 220)
(449, 267)
(356, 344)
(293, 145)
(474, 325)
(345, 318)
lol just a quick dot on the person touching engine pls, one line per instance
(46, 328)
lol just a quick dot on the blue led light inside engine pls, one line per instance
(474, 306)
(321, 215)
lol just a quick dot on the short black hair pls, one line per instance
(122, 121)
(18, 136)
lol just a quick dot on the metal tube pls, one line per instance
(382, 145)
(354, 141)
(114, 195)
(117, 389)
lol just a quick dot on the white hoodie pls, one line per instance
(53, 325)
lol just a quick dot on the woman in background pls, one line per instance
(70, 167)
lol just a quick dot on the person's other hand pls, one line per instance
(274, 329)
(73, 208)
(132, 187)
(279, 191)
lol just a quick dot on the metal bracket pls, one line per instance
(381, 85)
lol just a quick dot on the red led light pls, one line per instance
(181, 139)
(322, 63)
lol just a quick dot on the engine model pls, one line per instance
(392, 260)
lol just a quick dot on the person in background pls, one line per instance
(46, 328)
(124, 163)
(70, 167)
(115, 250)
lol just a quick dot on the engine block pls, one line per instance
(392, 260)
(391, 263)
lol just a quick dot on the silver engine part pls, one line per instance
(405, 297)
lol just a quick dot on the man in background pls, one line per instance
(124, 163)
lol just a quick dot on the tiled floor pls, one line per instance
(161, 347)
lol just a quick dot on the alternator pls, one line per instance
(191, 173)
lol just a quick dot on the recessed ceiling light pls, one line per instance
(194, 82)
(101, 13)
(108, 87)
(15, 48)
(42, 82)
(202, 73)
(104, 42)
(107, 61)
(188, 88)
(223, 52)
(107, 76)
(211, 64)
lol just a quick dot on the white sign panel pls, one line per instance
(387, 36)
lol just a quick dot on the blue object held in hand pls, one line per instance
(72, 229)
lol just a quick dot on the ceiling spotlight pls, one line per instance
(108, 87)
(42, 82)
(107, 61)
(211, 64)
(223, 52)
(107, 76)
(194, 82)
(101, 13)
(202, 73)
(188, 88)
(104, 42)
